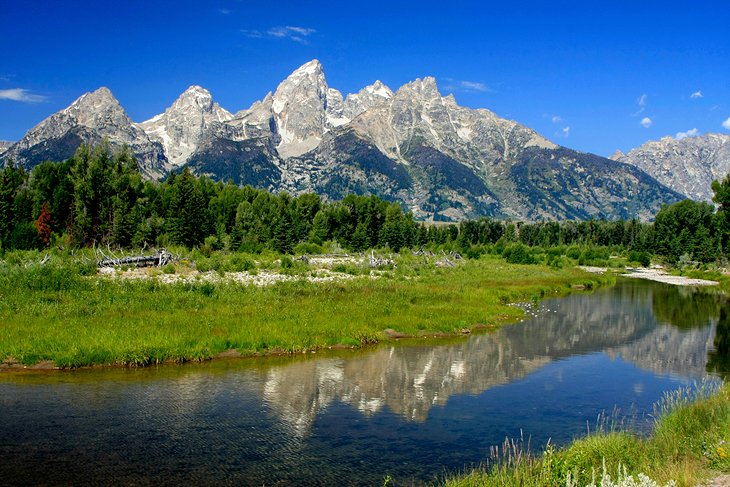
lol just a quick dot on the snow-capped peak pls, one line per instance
(182, 126)
(304, 108)
(313, 67)
(196, 95)
(379, 89)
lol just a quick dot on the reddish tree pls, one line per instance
(43, 224)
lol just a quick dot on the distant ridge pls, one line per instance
(688, 165)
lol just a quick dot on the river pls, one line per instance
(414, 410)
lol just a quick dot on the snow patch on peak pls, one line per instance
(379, 89)
(152, 120)
(313, 67)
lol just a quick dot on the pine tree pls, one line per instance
(188, 211)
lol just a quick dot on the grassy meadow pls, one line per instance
(63, 312)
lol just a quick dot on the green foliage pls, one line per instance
(722, 218)
(686, 228)
(286, 262)
(518, 254)
(99, 198)
(642, 257)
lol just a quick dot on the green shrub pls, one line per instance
(518, 254)
(286, 262)
(240, 263)
(573, 252)
(308, 248)
(642, 258)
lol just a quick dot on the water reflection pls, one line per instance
(718, 360)
(687, 307)
(412, 409)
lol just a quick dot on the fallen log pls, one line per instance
(159, 259)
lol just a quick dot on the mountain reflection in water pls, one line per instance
(412, 410)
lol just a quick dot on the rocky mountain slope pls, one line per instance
(687, 165)
(442, 161)
(91, 118)
(4, 145)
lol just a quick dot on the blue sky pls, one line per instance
(592, 75)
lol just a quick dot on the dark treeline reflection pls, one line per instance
(718, 360)
(686, 307)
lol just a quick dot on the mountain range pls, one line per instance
(688, 165)
(438, 159)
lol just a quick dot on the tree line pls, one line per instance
(100, 198)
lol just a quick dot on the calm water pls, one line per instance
(412, 411)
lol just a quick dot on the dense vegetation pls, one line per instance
(99, 198)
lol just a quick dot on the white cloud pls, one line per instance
(296, 34)
(566, 131)
(224, 11)
(646, 122)
(557, 119)
(454, 85)
(21, 94)
(290, 32)
(641, 102)
(726, 123)
(690, 133)
(474, 86)
(696, 94)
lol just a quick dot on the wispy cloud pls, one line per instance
(556, 119)
(224, 11)
(696, 94)
(726, 123)
(474, 86)
(463, 86)
(566, 131)
(690, 133)
(646, 122)
(288, 32)
(21, 95)
(641, 102)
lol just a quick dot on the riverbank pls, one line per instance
(52, 314)
(689, 446)
(657, 274)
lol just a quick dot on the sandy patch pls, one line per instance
(658, 275)
(654, 273)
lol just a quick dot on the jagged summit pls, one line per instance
(310, 68)
(183, 125)
(372, 96)
(440, 160)
(304, 108)
(688, 164)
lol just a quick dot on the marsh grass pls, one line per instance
(689, 444)
(58, 312)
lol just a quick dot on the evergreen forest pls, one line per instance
(99, 198)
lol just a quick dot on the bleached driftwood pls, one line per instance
(379, 261)
(160, 258)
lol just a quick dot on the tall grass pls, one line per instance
(56, 312)
(689, 444)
